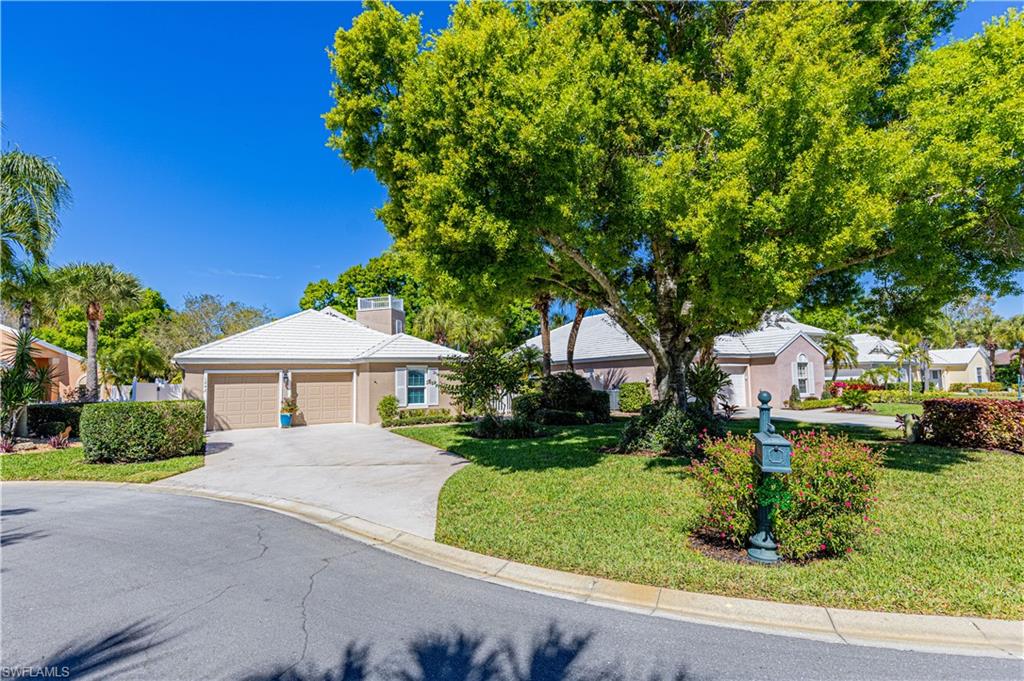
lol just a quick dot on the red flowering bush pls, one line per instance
(824, 503)
(977, 422)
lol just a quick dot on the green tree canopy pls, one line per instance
(386, 274)
(203, 319)
(689, 167)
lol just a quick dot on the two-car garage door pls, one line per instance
(251, 400)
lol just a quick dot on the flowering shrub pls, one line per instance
(829, 493)
(975, 422)
(836, 386)
(990, 386)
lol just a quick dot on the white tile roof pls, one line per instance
(953, 356)
(313, 336)
(600, 338)
(38, 341)
(873, 349)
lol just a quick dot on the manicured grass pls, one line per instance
(896, 408)
(68, 464)
(949, 522)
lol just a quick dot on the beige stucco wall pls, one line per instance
(968, 373)
(373, 381)
(637, 370)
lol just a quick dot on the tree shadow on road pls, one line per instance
(552, 655)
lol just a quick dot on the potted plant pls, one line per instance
(288, 409)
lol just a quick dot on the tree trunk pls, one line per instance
(543, 306)
(25, 321)
(92, 383)
(835, 370)
(570, 348)
(670, 376)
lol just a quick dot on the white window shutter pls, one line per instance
(796, 379)
(431, 388)
(810, 377)
(401, 381)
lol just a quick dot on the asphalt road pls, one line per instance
(113, 583)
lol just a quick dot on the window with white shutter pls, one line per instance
(401, 386)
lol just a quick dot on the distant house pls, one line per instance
(946, 365)
(66, 370)
(781, 353)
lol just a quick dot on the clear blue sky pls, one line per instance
(191, 136)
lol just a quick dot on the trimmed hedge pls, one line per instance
(964, 387)
(974, 422)
(901, 396)
(43, 417)
(417, 417)
(128, 432)
(816, 404)
(633, 397)
(564, 399)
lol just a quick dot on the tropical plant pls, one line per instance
(656, 158)
(28, 288)
(840, 352)
(445, 324)
(881, 375)
(32, 193)
(1010, 334)
(612, 379)
(96, 287)
(136, 358)
(706, 381)
(484, 379)
(908, 354)
(22, 381)
(855, 400)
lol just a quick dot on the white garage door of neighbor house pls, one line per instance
(242, 401)
(736, 392)
(323, 397)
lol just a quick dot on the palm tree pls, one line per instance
(436, 322)
(27, 287)
(98, 287)
(840, 352)
(907, 355)
(984, 330)
(136, 358)
(559, 319)
(32, 192)
(570, 348)
(445, 324)
(542, 303)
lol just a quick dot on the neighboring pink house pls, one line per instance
(66, 367)
(780, 354)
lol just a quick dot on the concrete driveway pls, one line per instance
(357, 470)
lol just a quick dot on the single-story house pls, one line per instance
(781, 353)
(66, 368)
(336, 368)
(946, 366)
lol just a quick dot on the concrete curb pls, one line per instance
(922, 633)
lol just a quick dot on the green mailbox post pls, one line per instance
(773, 454)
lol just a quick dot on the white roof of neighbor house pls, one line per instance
(953, 356)
(600, 338)
(49, 346)
(874, 349)
(784, 320)
(313, 336)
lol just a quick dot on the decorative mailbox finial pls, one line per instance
(773, 454)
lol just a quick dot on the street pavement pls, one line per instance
(106, 583)
(824, 416)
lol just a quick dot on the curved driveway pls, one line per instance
(119, 583)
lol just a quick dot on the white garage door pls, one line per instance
(736, 391)
(242, 401)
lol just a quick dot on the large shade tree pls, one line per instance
(97, 288)
(689, 166)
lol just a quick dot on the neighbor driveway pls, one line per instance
(825, 416)
(357, 470)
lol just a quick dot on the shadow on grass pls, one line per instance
(562, 447)
(925, 458)
(552, 655)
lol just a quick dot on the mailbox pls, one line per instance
(773, 452)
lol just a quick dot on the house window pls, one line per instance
(417, 391)
(937, 377)
(802, 375)
(977, 371)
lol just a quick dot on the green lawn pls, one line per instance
(68, 464)
(896, 408)
(950, 522)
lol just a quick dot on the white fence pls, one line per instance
(146, 392)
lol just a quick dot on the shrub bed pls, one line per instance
(672, 431)
(633, 397)
(564, 399)
(515, 428)
(974, 422)
(128, 432)
(822, 507)
(964, 387)
(902, 396)
(816, 404)
(43, 419)
(415, 417)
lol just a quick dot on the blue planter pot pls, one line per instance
(286, 420)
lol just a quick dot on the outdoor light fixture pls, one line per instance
(773, 454)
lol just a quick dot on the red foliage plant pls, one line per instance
(974, 422)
